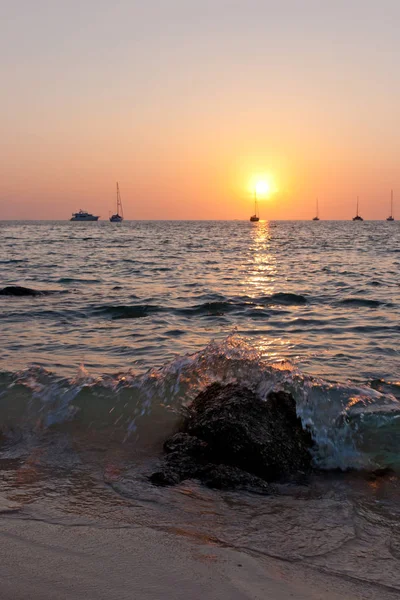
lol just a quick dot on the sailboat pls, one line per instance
(119, 216)
(256, 217)
(357, 217)
(391, 218)
(316, 218)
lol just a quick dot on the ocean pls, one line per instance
(136, 318)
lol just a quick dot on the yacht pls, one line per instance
(357, 217)
(256, 217)
(391, 218)
(83, 215)
(119, 215)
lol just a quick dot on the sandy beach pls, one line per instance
(76, 559)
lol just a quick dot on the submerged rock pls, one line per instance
(232, 438)
(17, 290)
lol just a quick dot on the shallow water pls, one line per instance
(93, 376)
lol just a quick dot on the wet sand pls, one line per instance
(76, 559)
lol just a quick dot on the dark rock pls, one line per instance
(381, 473)
(224, 477)
(232, 438)
(262, 437)
(183, 442)
(165, 477)
(17, 290)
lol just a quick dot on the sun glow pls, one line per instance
(262, 187)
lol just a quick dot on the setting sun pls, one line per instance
(262, 184)
(262, 188)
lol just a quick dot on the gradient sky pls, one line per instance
(184, 101)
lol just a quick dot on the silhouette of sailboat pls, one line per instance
(391, 217)
(357, 217)
(119, 216)
(256, 217)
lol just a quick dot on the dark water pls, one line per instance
(141, 316)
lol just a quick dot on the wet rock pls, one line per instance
(190, 461)
(224, 477)
(381, 474)
(165, 477)
(17, 290)
(232, 438)
(188, 444)
(186, 457)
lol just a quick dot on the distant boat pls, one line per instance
(316, 218)
(83, 215)
(256, 217)
(119, 216)
(391, 218)
(357, 217)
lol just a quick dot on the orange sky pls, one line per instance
(184, 104)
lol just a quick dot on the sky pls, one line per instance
(186, 103)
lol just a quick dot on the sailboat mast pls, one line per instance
(317, 209)
(391, 203)
(119, 203)
(357, 206)
(255, 203)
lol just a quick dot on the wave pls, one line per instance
(360, 302)
(210, 308)
(354, 427)
(208, 305)
(224, 305)
(20, 291)
(67, 280)
(134, 311)
(14, 261)
(217, 307)
(287, 298)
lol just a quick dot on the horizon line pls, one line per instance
(245, 220)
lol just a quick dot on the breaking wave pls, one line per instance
(353, 426)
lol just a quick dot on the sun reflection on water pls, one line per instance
(260, 282)
(261, 267)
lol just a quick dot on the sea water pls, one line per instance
(136, 318)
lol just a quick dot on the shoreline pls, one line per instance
(73, 558)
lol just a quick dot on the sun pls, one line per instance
(262, 187)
